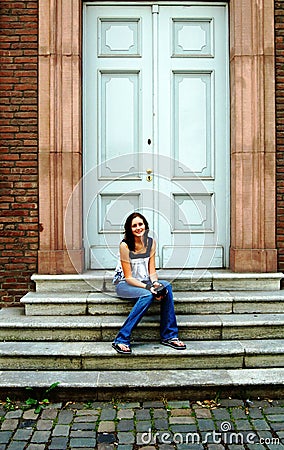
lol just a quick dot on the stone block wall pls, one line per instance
(279, 62)
(19, 147)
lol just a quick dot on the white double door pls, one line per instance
(156, 122)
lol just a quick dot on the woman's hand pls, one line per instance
(153, 288)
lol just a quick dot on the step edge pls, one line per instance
(151, 379)
(141, 349)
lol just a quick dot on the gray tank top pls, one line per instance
(140, 262)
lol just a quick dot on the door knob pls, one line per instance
(149, 171)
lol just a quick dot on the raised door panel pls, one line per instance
(193, 124)
(119, 121)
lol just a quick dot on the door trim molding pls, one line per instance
(253, 141)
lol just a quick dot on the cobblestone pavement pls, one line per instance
(230, 424)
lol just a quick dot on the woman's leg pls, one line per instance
(144, 300)
(168, 326)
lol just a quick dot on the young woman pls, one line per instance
(138, 281)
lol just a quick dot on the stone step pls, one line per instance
(147, 356)
(237, 302)
(182, 280)
(15, 326)
(147, 384)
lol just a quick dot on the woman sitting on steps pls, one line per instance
(136, 279)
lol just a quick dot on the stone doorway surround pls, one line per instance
(253, 141)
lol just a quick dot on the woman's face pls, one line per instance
(138, 227)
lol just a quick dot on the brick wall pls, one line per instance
(279, 39)
(18, 145)
(18, 169)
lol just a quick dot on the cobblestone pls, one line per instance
(61, 430)
(242, 425)
(143, 414)
(106, 438)
(30, 415)
(83, 426)
(108, 414)
(107, 426)
(239, 414)
(9, 424)
(125, 437)
(85, 418)
(181, 420)
(161, 424)
(125, 414)
(83, 442)
(58, 443)
(5, 436)
(82, 433)
(143, 425)
(40, 437)
(221, 414)
(49, 414)
(16, 445)
(256, 413)
(36, 447)
(260, 424)
(203, 413)
(129, 405)
(65, 417)
(44, 424)
(151, 425)
(125, 425)
(275, 417)
(182, 412)
(87, 412)
(108, 446)
(22, 435)
(160, 413)
(206, 424)
(14, 414)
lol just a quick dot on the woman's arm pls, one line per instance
(152, 263)
(152, 271)
(126, 267)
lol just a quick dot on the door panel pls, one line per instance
(193, 123)
(156, 97)
(118, 125)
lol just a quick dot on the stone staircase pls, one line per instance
(233, 325)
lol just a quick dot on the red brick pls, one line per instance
(19, 146)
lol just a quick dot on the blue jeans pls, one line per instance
(144, 298)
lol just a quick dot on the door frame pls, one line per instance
(252, 143)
